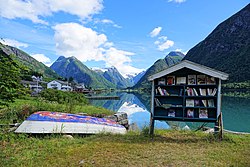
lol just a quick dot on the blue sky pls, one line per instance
(128, 34)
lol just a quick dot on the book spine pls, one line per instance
(160, 91)
(195, 92)
(214, 92)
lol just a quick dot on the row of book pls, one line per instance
(164, 92)
(200, 103)
(189, 91)
(190, 80)
(189, 103)
(166, 106)
(161, 91)
(203, 113)
(202, 91)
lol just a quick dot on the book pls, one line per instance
(204, 102)
(189, 102)
(166, 106)
(195, 92)
(203, 92)
(191, 79)
(156, 91)
(190, 113)
(161, 81)
(210, 102)
(209, 91)
(214, 92)
(191, 92)
(210, 80)
(171, 113)
(160, 91)
(170, 80)
(157, 102)
(181, 91)
(196, 103)
(188, 92)
(180, 80)
(203, 113)
(201, 79)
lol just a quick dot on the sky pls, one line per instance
(127, 34)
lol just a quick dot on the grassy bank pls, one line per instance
(168, 148)
(22, 108)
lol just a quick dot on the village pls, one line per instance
(37, 85)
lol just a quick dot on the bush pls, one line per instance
(63, 97)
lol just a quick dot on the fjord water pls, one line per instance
(236, 111)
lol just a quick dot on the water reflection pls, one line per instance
(137, 112)
(236, 111)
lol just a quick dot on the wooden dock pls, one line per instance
(103, 97)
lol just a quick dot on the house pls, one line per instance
(32, 85)
(59, 85)
(80, 88)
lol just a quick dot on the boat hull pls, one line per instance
(53, 122)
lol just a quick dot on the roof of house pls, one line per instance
(193, 66)
(61, 82)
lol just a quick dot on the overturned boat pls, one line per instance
(56, 122)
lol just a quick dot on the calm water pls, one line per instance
(236, 111)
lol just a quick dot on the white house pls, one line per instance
(34, 86)
(59, 85)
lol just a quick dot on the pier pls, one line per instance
(103, 97)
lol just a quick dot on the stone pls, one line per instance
(68, 136)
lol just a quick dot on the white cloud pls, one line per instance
(163, 43)
(177, 1)
(73, 39)
(14, 43)
(156, 31)
(121, 60)
(35, 9)
(167, 44)
(180, 50)
(107, 21)
(42, 58)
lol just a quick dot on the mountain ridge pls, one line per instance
(72, 67)
(29, 61)
(227, 47)
(161, 64)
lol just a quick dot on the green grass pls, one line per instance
(22, 108)
(168, 148)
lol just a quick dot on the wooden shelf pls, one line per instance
(185, 119)
(197, 107)
(168, 96)
(169, 107)
(200, 97)
(169, 86)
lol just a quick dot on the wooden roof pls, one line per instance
(192, 66)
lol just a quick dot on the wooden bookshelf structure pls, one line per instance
(186, 92)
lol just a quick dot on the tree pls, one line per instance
(10, 72)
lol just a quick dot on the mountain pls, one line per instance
(161, 64)
(113, 75)
(29, 61)
(72, 67)
(133, 79)
(227, 47)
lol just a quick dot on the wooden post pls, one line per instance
(220, 126)
(152, 125)
(152, 121)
